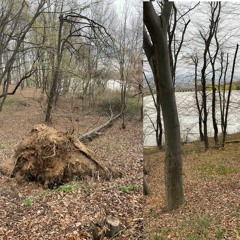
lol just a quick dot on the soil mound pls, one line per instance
(53, 158)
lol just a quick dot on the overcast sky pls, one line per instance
(229, 31)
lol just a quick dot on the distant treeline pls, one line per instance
(235, 86)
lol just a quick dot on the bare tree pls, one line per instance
(80, 26)
(16, 35)
(176, 35)
(126, 55)
(157, 29)
(226, 103)
(213, 57)
(213, 44)
(208, 37)
(196, 91)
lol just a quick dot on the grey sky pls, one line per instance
(229, 35)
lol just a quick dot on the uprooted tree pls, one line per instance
(52, 158)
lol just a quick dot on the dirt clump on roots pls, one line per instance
(52, 158)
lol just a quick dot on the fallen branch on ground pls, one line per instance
(232, 141)
(96, 131)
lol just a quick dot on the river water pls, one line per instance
(188, 117)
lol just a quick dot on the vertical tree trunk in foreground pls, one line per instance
(157, 28)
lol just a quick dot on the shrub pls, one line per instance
(113, 103)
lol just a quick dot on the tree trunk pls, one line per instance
(146, 190)
(53, 91)
(204, 101)
(199, 108)
(229, 96)
(214, 120)
(148, 48)
(157, 28)
(159, 131)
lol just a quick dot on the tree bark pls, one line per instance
(149, 51)
(229, 96)
(199, 107)
(157, 28)
(158, 129)
(53, 91)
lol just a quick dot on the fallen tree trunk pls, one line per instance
(96, 131)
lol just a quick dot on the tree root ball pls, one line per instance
(52, 158)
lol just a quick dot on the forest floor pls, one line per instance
(30, 212)
(212, 195)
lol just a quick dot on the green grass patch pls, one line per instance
(227, 86)
(157, 234)
(2, 145)
(68, 187)
(238, 231)
(193, 236)
(214, 162)
(128, 188)
(27, 202)
(208, 168)
(158, 238)
(220, 233)
(199, 226)
(224, 170)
